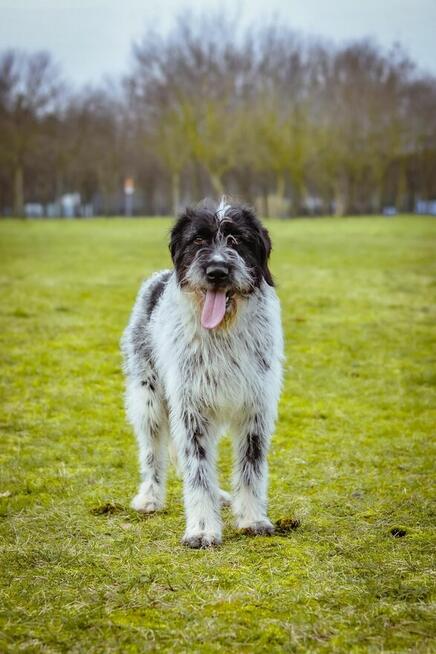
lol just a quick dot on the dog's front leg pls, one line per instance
(197, 447)
(250, 479)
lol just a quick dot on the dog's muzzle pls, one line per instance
(218, 274)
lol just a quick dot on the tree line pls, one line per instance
(289, 123)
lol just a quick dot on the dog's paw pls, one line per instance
(225, 498)
(258, 528)
(202, 540)
(146, 503)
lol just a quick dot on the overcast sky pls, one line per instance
(91, 38)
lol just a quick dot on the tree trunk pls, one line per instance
(18, 191)
(376, 200)
(340, 202)
(106, 201)
(265, 203)
(297, 197)
(217, 184)
(401, 191)
(196, 182)
(280, 187)
(175, 188)
(342, 197)
(59, 186)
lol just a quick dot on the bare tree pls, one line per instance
(29, 89)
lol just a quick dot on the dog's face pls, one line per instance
(221, 256)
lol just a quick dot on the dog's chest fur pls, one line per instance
(222, 370)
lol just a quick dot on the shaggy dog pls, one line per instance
(203, 355)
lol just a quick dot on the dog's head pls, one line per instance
(221, 255)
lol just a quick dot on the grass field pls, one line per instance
(351, 458)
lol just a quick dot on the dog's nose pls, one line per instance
(217, 272)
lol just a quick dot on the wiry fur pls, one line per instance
(190, 384)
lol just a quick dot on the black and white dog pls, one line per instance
(203, 354)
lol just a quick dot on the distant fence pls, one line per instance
(70, 206)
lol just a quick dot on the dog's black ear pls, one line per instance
(176, 235)
(266, 241)
(263, 241)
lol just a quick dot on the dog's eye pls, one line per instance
(199, 241)
(232, 240)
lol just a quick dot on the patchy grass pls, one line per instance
(351, 462)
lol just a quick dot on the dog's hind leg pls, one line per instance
(146, 413)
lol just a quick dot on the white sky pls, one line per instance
(92, 38)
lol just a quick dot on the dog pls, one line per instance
(203, 355)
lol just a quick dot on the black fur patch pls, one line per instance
(254, 243)
(195, 433)
(197, 448)
(200, 479)
(253, 454)
(254, 450)
(156, 292)
(149, 383)
(194, 448)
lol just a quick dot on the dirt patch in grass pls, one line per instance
(285, 525)
(109, 508)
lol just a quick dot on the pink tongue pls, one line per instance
(214, 308)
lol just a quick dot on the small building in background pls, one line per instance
(426, 207)
(70, 205)
(34, 210)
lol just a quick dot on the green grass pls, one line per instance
(351, 457)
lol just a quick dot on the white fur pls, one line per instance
(222, 208)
